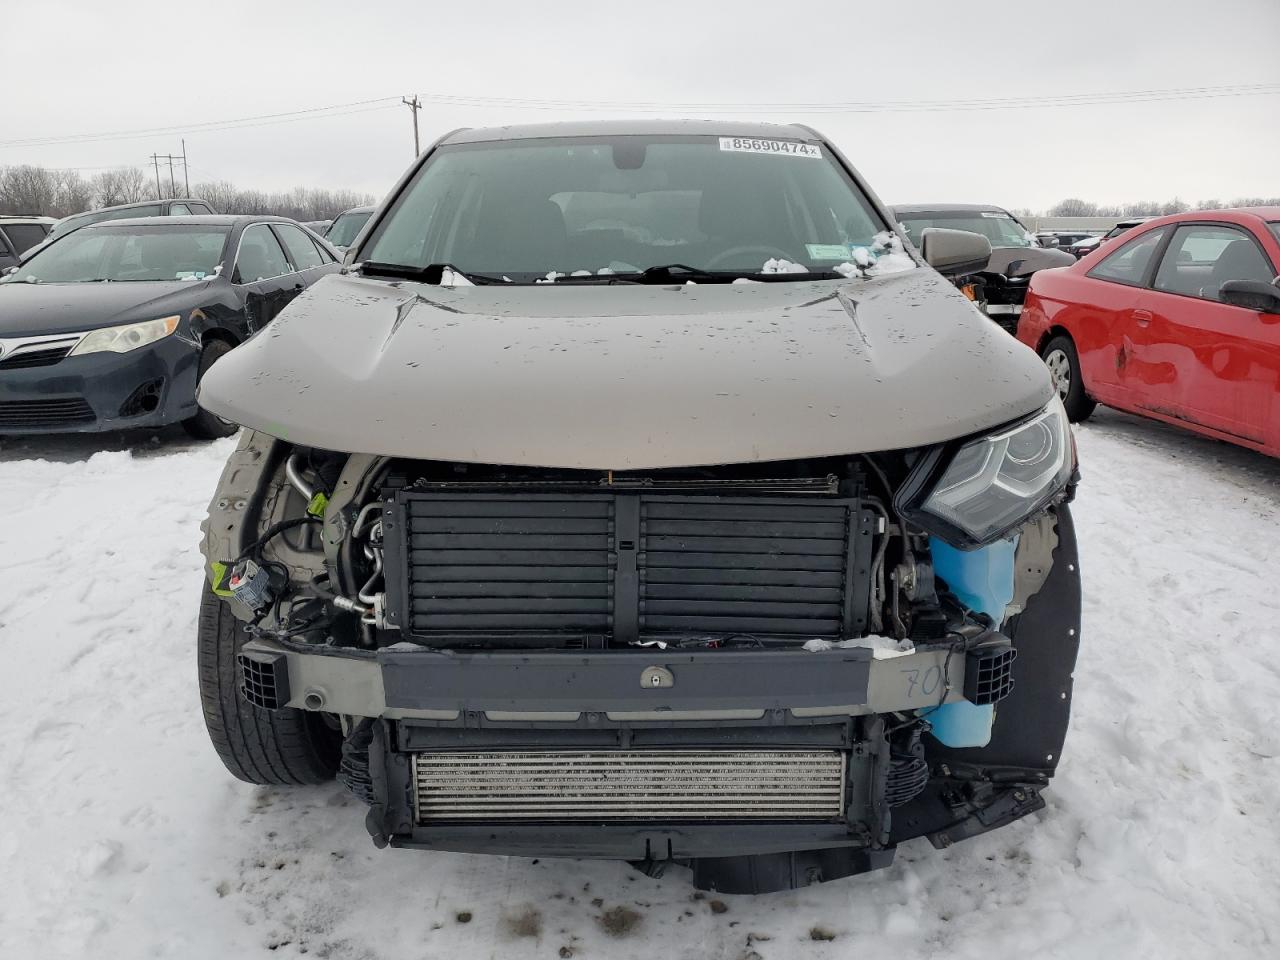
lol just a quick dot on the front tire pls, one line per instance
(1060, 357)
(278, 747)
(205, 425)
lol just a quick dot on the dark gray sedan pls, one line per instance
(113, 325)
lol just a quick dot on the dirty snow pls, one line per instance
(123, 837)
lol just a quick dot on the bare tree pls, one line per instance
(122, 185)
(59, 193)
(27, 189)
(1073, 207)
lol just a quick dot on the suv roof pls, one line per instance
(25, 218)
(140, 203)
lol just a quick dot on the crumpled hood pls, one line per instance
(35, 309)
(627, 377)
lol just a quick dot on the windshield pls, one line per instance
(531, 210)
(127, 253)
(345, 228)
(998, 227)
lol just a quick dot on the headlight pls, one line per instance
(125, 338)
(992, 484)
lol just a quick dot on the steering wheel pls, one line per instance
(723, 255)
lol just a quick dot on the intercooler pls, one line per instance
(656, 785)
(598, 568)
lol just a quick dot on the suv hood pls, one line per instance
(627, 377)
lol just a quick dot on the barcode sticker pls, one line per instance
(786, 148)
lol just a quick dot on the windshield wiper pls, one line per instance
(432, 273)
(682, 273)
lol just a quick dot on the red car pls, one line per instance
(1179, 321)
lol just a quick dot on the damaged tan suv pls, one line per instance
(636, 492)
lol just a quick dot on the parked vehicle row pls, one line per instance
(1086, 245)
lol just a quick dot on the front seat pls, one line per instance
(1239, 260)
(525, 237)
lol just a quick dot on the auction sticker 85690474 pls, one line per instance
(789, 148)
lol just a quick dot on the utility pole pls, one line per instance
(186, 177)
(415, 105)
(173, 183)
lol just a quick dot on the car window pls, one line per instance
(260, 256)
(346, 227)
(302, 253)
(24, 236)
(200, 208)
(1130, 262)
(1275, 228)
(1202, 257)
(325, 256)
(179, 210)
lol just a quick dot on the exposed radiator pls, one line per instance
(628, 566)
(670, 785)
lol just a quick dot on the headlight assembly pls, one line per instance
(991, 484)
(128, 337)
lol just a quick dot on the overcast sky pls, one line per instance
(84, 66)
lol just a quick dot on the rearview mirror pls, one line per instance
(954, 252)
(1252, 295)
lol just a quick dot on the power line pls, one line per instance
(266, 119)
(621, 106)
(872, 106)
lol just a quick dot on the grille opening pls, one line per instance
(533, 568)
(58, 412)
(33, 357)
(648, 785)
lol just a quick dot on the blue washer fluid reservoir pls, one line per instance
(983, 580)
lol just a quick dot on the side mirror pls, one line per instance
(1050, 242)
(10, 270)
(1252, 295)
(954, 252)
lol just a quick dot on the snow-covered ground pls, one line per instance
(121, 836)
